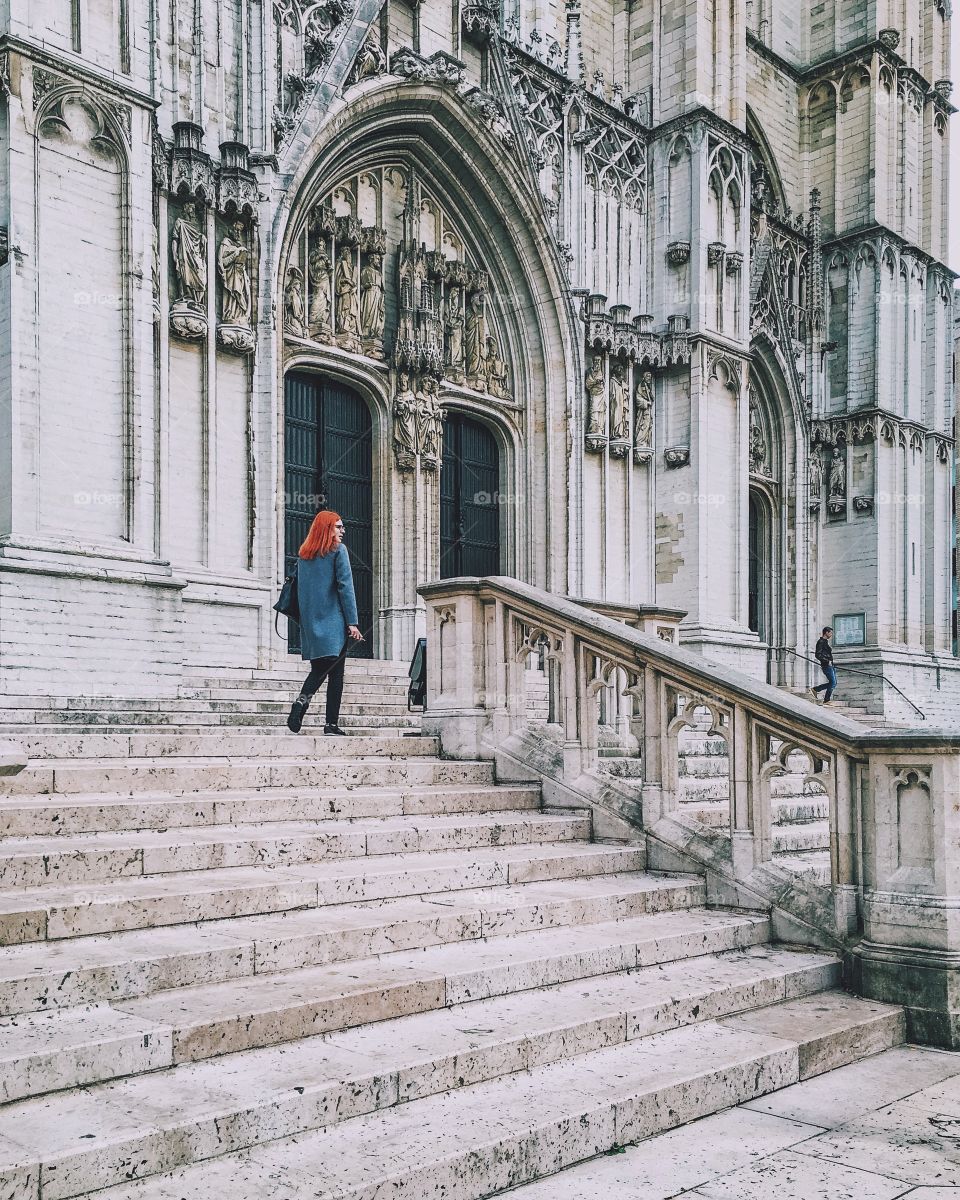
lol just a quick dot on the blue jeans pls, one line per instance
(831, 673)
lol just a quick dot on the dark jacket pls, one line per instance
(824, 652)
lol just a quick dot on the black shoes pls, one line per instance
(333, 731)
(297, 713)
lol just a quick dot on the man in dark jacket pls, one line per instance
(824, 656)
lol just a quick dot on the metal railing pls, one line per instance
(846, 668)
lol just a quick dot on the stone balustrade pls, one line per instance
(892, 904)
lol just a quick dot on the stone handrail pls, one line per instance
(893, 902)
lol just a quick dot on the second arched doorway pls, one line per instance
(328, 464)
(469, 499)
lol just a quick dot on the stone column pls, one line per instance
(910, 953)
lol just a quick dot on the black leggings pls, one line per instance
(318, 668)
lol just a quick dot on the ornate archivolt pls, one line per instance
(380, 269)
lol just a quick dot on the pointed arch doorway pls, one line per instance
(469, 499)
(328, 455)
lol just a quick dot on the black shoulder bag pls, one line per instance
(288, 605)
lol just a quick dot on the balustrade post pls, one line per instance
(658, 799)
(843, 844)
(744, 792)
(572, 699)
(499, 698)
(456, 709)
(910, 952)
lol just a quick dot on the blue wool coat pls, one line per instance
(327, 603)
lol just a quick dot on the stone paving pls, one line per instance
(883, 1128)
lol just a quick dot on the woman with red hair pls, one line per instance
(328, 616)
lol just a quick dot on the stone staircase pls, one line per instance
(234, 962)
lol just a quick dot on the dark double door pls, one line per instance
(328, 465)
(469, 499)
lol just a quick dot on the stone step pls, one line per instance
(122, 777)
(44, 816)
(221, 743)
(482, 1139)
(123, 965)
(67, 708)
(193, 1112)
(358, 724)
(715, 814)
(800, 837)
(814, 865)
(782, 787)
(98, 858)
(180, 898)
(266, 1009)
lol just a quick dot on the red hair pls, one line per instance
(319, 540)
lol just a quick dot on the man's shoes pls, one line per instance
(333, 731)
(825, 701)
(297, 713)
(814, 693)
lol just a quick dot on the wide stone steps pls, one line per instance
(479, 1140)
(46, 816)
(53, 912)
(192, 1112)
(189, 1024)
(182, 775)
(219, 743)
(88, 970)
(105, 857)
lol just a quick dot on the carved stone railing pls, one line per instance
(892, 904)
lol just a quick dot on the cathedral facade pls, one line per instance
(641, 301)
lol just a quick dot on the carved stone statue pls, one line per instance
(815, 469)
(838, 475)
(348, 302)
(453, 329)
(429, 418)
(404, 423)
(233, 259)
(758, 444)
(498, 378)
(370, 62)
(320, 298)
(476, 337)
(596, 406)
(619, 404)
(189, 249)
(371, 305)
(293, 313)
(643, 399)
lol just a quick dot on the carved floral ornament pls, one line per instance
(380, 269)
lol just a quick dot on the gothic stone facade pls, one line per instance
(665, 277)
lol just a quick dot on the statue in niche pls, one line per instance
(475, 329)
(619, 404)
(643, 399)
(371, 304)
(348, 302)
(453, 328)
(232, 262)
(838, 475)
(429, 424)
(758, 445)
(596, 408)
(815, 469)
(498, 379)
(404, 423)
(320, 298)
(293, 312)
(189, 250)
(370, 62)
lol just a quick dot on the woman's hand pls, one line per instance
(353, 631)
